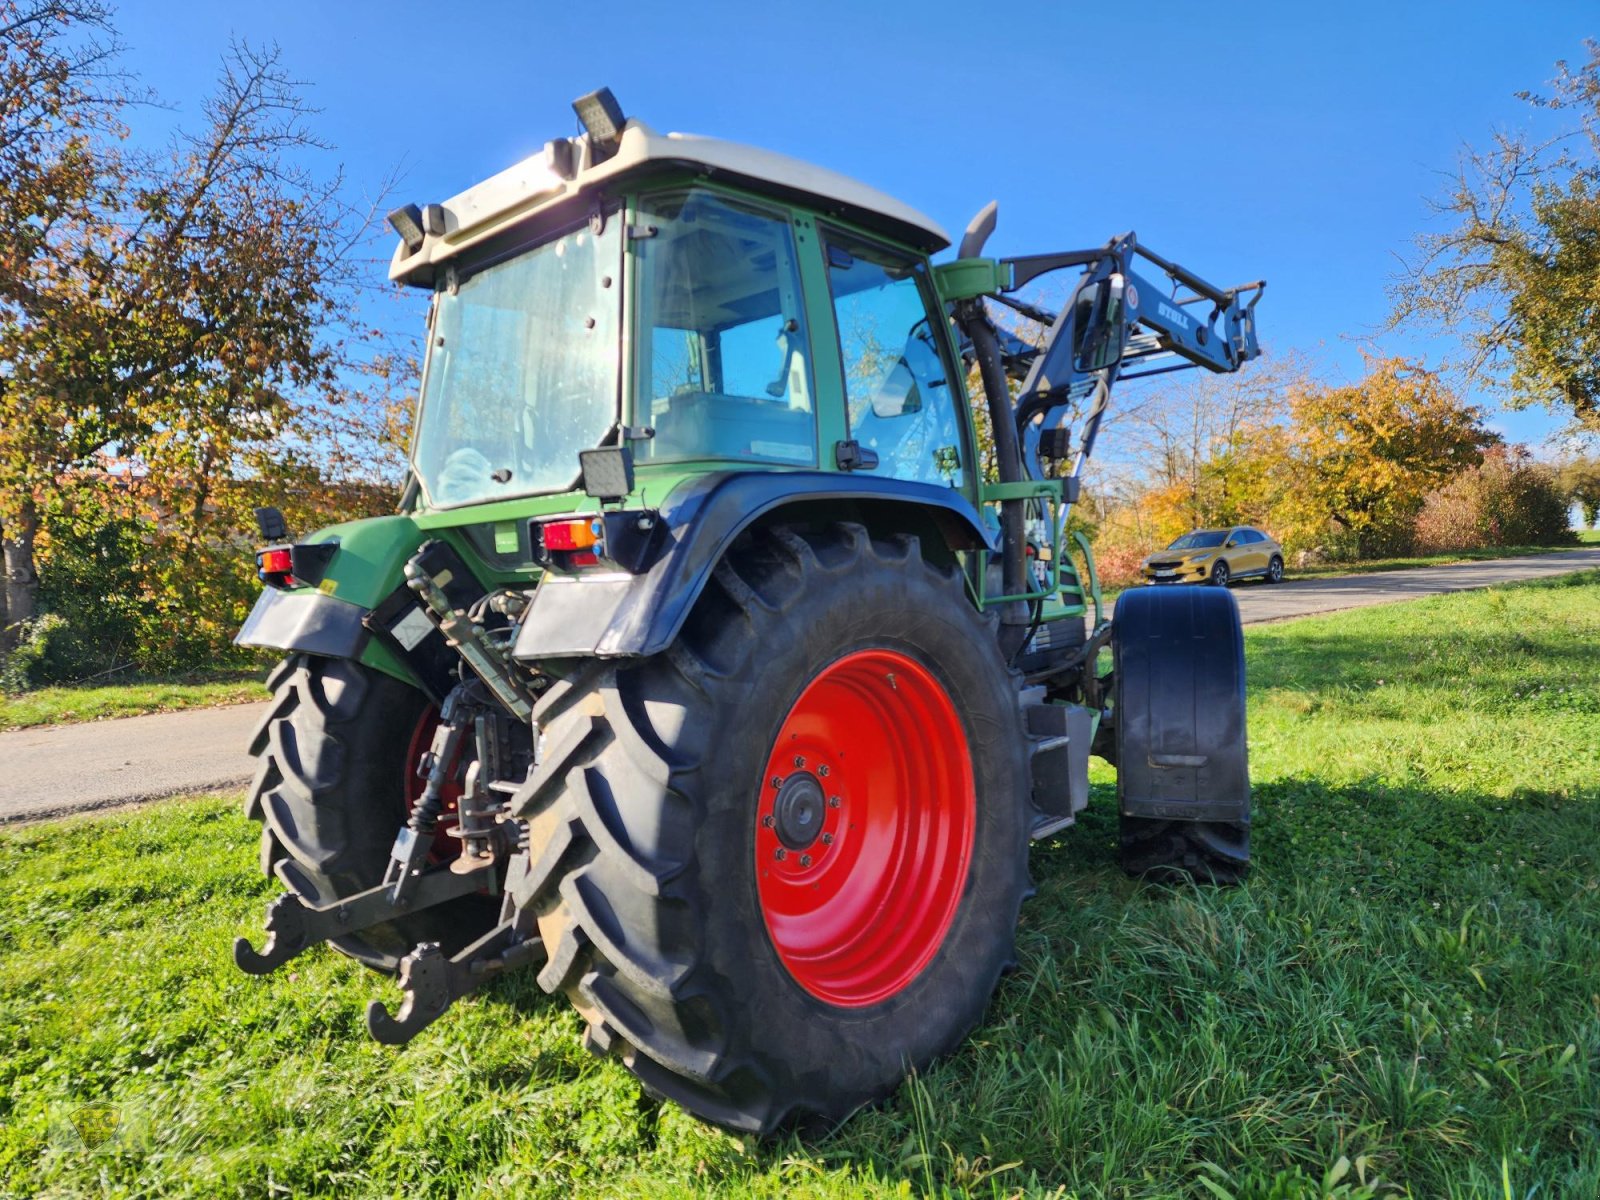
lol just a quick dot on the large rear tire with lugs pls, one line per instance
(779, 866)
(336, 754)
(1178, 701)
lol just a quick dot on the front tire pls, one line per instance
(750, 986)
(334, 754)
(1220, 574)
(1178, 697)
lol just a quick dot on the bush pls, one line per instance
(1118, 565)
(37, 656)
(1449, 521)
(118, 590)
(91, 587)
(1507, 500)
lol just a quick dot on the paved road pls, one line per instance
(1304, 598)
(68, 768)
(47, 772)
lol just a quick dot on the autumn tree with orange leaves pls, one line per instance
(187, 310)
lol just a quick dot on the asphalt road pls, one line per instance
(70, 768)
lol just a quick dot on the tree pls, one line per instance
(1208, 445)
(1580, 481)
(1517, 273)
(1363, 457)
(184, 309)
(58, 106)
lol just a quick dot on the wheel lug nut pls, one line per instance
(833, 802)
(777, 781)
(827, 839)
(780, 854)
(823, 770)
(798, 761)
(805, 860)
(767, 821)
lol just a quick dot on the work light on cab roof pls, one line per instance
(704, 671)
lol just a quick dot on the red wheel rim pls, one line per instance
(446, 845)
(864, 828)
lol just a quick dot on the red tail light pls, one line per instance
(571, 535)
(274, 562)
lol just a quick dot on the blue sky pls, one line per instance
(1293, 141)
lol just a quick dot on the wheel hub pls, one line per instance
(797, 812)
(865, 827)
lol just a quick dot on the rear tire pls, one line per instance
(330, 793)
(653, 861)
(1275, 569)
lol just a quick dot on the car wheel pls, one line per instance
(1219, 574)
(1275, 570)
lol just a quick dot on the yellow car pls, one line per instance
(1216, 556)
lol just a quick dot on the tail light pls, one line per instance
(571, 535)
(301, 565)
(275, 566)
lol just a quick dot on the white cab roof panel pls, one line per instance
(531, 186)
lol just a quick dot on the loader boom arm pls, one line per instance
(1167, 325)
(1132, 314)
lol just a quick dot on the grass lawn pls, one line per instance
(1587, 537)
(1407, 991)
(93, 702)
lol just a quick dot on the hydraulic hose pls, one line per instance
(1008, 456)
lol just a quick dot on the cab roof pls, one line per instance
(534, 186)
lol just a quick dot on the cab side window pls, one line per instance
(897, 385)
(723, 361)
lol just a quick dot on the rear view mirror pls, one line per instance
(1102, 325)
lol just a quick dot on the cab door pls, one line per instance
(903, 397)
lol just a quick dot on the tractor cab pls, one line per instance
(687, 300)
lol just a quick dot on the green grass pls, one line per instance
(1585, 537)
(71, 703)
(1409, 986)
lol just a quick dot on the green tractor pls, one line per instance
(705, 670)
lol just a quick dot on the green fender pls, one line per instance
(326, 619)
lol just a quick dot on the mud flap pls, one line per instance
(1180, 719)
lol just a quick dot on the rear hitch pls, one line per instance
(294, 926)
(432, 983)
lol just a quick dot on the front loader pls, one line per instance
(704, 672)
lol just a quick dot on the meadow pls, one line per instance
(1404, 999)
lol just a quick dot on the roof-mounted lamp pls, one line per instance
(602, 120)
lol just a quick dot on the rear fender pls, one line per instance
(615, 614)
(327, 619)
